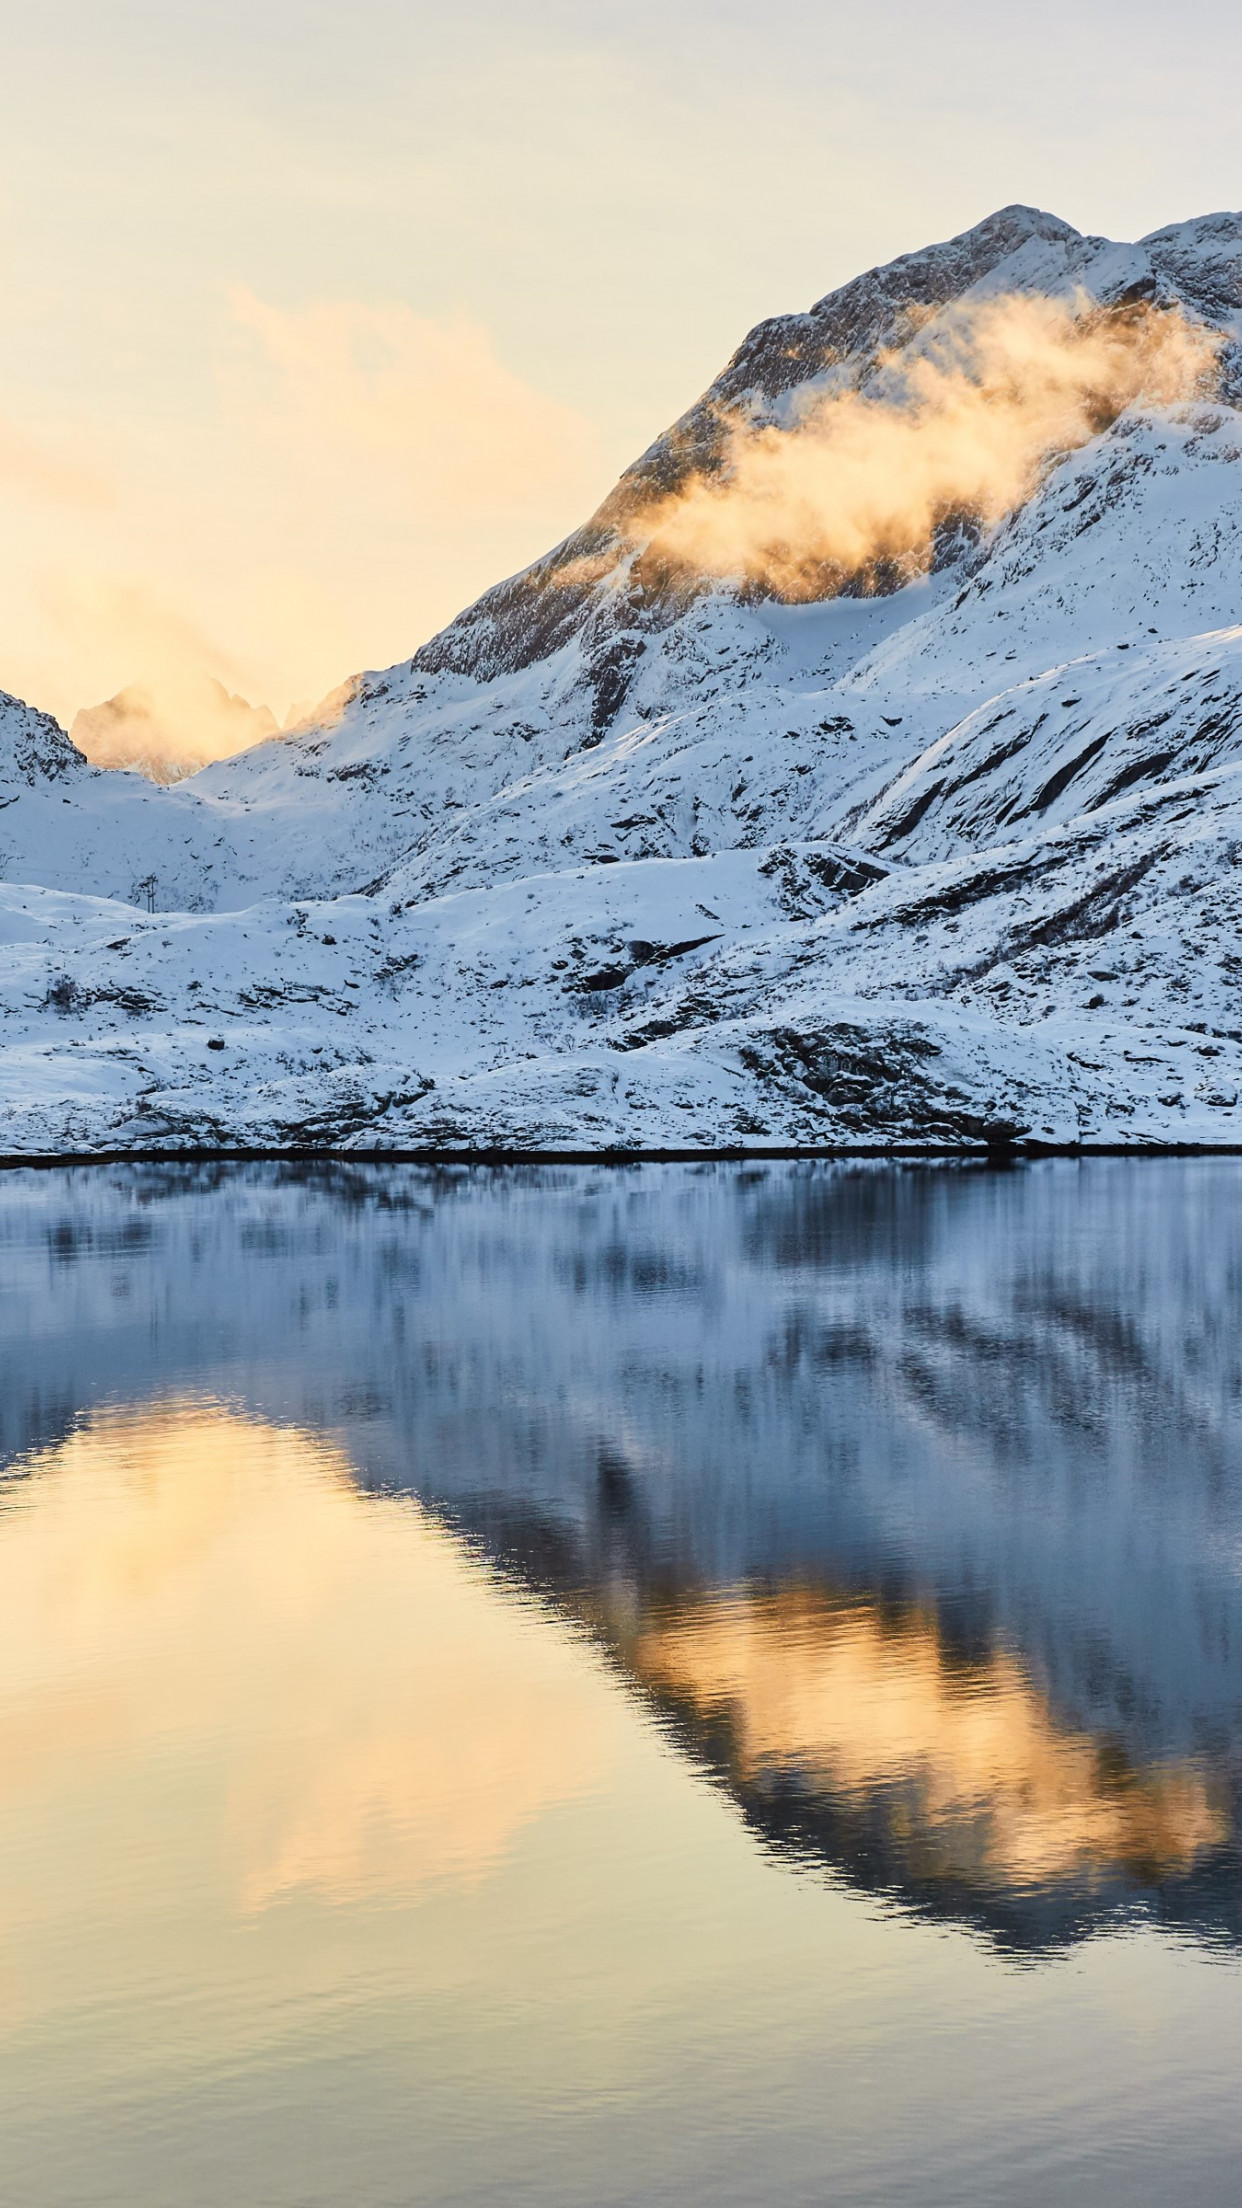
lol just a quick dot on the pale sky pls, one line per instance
(321, 315)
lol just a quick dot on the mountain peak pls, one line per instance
(936, 272)
(1203, 258)
(587, 588)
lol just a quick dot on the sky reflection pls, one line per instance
(328, 1694)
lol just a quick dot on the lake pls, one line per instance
(658, 1685)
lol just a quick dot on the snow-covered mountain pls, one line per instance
(626, 857)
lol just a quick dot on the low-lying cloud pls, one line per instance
(962, 425)
(171, 727)
(182, 707)
(427, 403)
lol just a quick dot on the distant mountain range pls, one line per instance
(864, 773)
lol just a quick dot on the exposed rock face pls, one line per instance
(625, 859)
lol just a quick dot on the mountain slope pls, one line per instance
(631, 855)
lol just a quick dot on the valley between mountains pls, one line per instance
(940, 849)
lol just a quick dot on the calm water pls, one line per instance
(592, 1687)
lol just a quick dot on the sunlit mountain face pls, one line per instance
(906, 1504)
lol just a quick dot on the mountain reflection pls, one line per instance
(962, 1768)
(856, 1738)
(910, 1501)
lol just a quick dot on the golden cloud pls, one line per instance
(427, 402)
(962, 422)
(356, 474)
(189, 1590)
(179, 713)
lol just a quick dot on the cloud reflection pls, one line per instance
(966, 1764)
(189, 1588)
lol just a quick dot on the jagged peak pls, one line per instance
(1203, 257)
(1225, 224)
(32, 742)
(984, 243)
